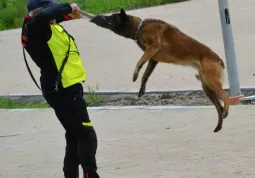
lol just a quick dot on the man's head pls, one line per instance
(34, 6)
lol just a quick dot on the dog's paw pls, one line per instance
(135, 76)
(141, 92)
(217, 129)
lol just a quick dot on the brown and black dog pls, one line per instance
(162, 42)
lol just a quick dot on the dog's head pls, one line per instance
(119, 23)
(112, 22)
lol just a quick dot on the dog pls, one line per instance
(165, 43)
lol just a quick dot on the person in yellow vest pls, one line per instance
(55, 52)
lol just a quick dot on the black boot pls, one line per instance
(74, 173)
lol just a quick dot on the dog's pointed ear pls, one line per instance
(123, 14)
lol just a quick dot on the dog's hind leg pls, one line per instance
(211, 76)
(149, 69)
(150, 52)
(220, 92)
(215, 100)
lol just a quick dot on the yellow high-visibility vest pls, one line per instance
(74, 71)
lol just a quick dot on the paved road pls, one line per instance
(134, 144)
(110, 59)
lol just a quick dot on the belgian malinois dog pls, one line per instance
(163, 42)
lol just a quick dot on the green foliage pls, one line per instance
(104, 6)
(7, 103)
(93, 98)
(12, 11)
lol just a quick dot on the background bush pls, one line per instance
(12, 11)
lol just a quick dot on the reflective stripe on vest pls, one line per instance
(74, 71)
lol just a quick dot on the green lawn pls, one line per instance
(103, 6)
(12, 11)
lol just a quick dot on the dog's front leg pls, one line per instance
(148, 55)
(149, 69)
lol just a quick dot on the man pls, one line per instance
(55, 52)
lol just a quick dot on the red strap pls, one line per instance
(87, 175)
(27, 17)
(24, 38)
(67, 17)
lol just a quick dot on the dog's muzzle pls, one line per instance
(100, 21)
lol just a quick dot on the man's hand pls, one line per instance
(75, 11)
(75, 8)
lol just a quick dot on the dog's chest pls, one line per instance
(140, 43)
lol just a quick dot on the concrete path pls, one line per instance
(110, 59)
(134, 144)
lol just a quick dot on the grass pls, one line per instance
(104, 6)
(12, 11)
(92, 99)
(8, 103)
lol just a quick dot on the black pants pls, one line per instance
(81, 139)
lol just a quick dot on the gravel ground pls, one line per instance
(184, 98)
(189, 98)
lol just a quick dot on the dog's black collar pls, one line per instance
(138, 30)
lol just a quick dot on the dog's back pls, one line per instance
(179, 47)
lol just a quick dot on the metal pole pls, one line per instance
(229, 48)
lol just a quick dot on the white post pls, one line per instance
(229, 48)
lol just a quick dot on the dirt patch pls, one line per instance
(188, 98)
(184, 98)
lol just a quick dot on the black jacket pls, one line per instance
(36, 32)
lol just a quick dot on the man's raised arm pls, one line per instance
(59, 12)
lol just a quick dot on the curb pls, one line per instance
(126, 108)
(111, 92)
